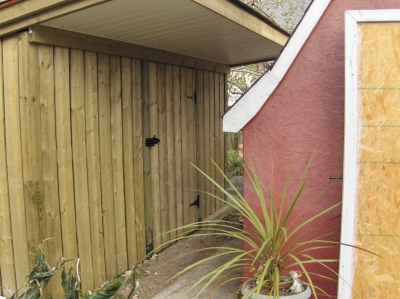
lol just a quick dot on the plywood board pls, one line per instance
(371, 198)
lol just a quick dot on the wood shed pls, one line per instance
(84, 87)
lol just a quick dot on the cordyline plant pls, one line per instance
(275, 245)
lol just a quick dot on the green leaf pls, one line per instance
(109, 291)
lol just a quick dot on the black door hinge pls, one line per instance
(196, 202)
(193, 97)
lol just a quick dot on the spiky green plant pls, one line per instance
(274, 244)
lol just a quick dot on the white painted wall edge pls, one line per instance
(351, 132)
(249, 105)
(350, 169)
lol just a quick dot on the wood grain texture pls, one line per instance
(64, 151)
(6, 249)
(107, 187)
(78, 130)
(128, 152)
(171, 181)
(178, 148)
(93, 165)
(138, 158)
(154, 157)
(14, 157)
(117, 162)
(50, 172)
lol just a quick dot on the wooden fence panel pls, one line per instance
(86, 178)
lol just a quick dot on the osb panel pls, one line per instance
(377, 217)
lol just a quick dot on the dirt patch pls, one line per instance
(157, 272)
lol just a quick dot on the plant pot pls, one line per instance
(304, 295)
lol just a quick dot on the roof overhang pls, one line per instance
(254, 99)
(219, 31)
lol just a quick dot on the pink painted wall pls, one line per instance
(307, 109)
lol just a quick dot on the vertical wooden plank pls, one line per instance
(64, 151)
(106, 165)
(78, 124)
(191, 148)
(14, 157)
(185, 145)
(146, 156)
(117, 162)
(217, 133)
(154, 157)
(200, 135)
(169, 95)
(212, 137)
(138, 158)
(178, 147)
(6, 247)
(49, 154)
(207, 157)
(93, 165)
(128, 137)
(162, 150)
(31, 143)
(222, 138)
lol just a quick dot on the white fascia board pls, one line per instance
(351, 130)
(252, 101)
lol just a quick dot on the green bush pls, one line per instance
(235, 163)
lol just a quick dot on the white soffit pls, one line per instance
(252, 101)
(351, 127)
(179, 26)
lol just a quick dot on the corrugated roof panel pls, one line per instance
(179, 26)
